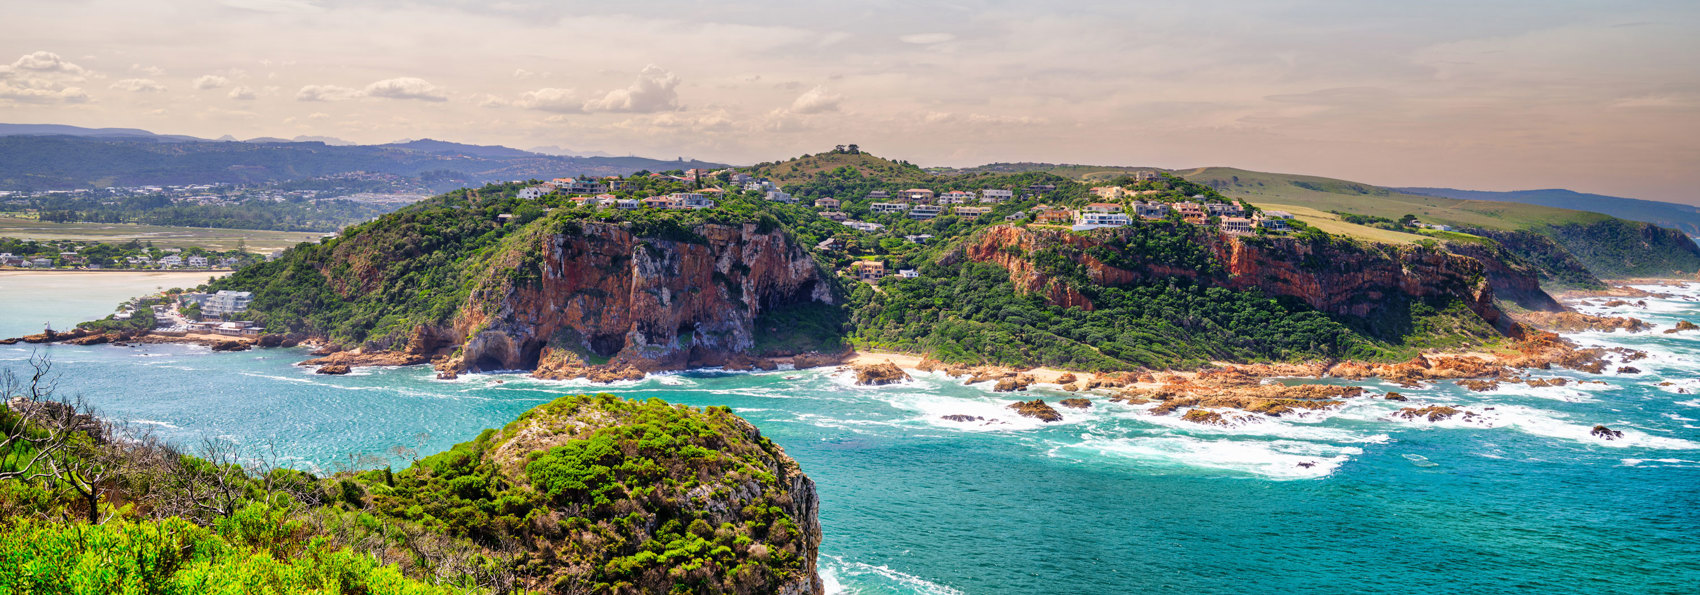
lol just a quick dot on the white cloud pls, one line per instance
(242, 93)
(521, 73)
(405, 88)
(816, 101)
(45, 63)
(560, 101)
(211, 81)
(318, 116)
(139, 86)
(298, 6)
(326, 93)
(656, 90)
(1652, 102)
(488, 100)
(147, 70)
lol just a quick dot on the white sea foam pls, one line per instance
(869, 578)
(1273, 459)
(149, 422)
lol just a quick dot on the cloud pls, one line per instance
(326, 93)
(521, 73)
(816, 101)
(656, 90)
(211, 81)
(405, 88)
(147, 70)
(139, 86)
(560, 101)
(43, 62)
(488, 100)
(927, 38)
(299, 6)
(1652, 102)
(242, 94)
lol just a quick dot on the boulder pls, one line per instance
(1396, 397)
(1036, 409)
(1628, 370)
(1075, 403)
(1433, 413)
(963, 418)
(879, 374)
(1013, 383)
(271, 340)
(231, 346)
(1479, 385)
(1683, 325)
(1206, 417)
(333, 369)
(1066, 378)
(1071, 387)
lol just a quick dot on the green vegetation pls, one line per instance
(258, 213)
(257, 241)
(66, 253)
(586, 494)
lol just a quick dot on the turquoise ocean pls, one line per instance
(1111, 500)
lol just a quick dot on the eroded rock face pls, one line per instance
(879, 374)
(1354, 282)
(1037, 409)
(646, 303)
(1576, 322)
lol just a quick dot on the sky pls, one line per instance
(1492, 95)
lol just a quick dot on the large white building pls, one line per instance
(994, 195)
(226, 302)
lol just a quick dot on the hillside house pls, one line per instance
(834, 215)
(614, 183)
(169, 262)
(921, 238)
(994, 195)
(864, 226)
(827, 202)
(1100, 214)
(659, 202)
(1150, 211)
(1236, 226)
(1110, 192)
(1102, 207)
(781, 196)
(888, 207)
(532, 193)
(879, 195)
(691, 200)
(197, 262)
(1192, 212)
(971, 211)
(957, 197)
(917, 195)
(925, 211)
(627, 204)
(226, 302)
(908, 273)
(1264, 221)
(1039, 188)
(829, 245)
(1225, 209)
(1146, 175)
(870, 271)
(1054, 216)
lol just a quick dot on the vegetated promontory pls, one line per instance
(482, 279)
(586, 494)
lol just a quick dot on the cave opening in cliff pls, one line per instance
(804, 292)
(608, 345)
(530, 353)
(487, 363)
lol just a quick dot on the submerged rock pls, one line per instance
(1396, 397)
(1433, 413)
(334, 369)
(1206, 417)
(1601, 431)
(1683, 325)
(962, 418)
(1628, 370)
(1479, 385)
(1037, 409)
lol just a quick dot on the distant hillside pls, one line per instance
(82, 161)
(1682, 217)
(63, 130)
(1083, 173)
(808, 167)
(1566, 239)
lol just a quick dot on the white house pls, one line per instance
(1150, 210)
(197, 262)
(171, 262)
(781, 196)
(888, 207)
(532, 193)
(956, 197)
(994, 195)
(925, 211)
(226, 302)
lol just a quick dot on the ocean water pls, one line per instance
(1111, 500)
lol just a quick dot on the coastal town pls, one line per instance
(133, 256)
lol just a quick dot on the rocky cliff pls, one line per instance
(1335, 277)
(589, 293)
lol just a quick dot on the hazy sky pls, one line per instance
(1594, 96)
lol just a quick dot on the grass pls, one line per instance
(1328, 194)
(1331, 223)
(260, 241)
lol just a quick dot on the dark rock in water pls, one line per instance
(1396, 397)
(334, 369)
(1307, 464)
(1013, 383)
(447, 375)
(272, 340)
(1682, 325)
(1606, 433)
(963, 418)
(325, 350)
(1433, 413)
(231, 346)
(1036, 409)
(1479, 385)
(1629, 370)
(1075, 403)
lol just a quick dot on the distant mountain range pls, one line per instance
(1682, 217)
(51, 156)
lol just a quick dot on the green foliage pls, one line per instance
(1616, 249)
(174, 556)
(799, 328)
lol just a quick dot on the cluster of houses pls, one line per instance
(871, 271)
(73, 259)
(1231, 217)
(221, 304)
(596, 193)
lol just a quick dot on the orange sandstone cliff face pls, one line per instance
(1333, 279)
(643, 303)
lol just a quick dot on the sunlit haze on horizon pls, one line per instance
(1595, 97)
